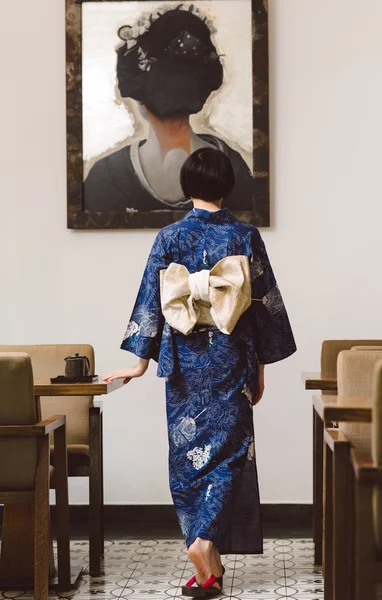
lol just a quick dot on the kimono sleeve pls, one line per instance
(273, 334)
(144, 331)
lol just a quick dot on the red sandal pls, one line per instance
(206, 590)
(219, 580)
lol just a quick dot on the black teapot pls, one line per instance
(77, 366)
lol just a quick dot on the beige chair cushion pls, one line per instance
(355, 378)
(48, 360)
(377, 452)
(17, 407)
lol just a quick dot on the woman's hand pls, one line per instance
(129, 373)
(256, 396)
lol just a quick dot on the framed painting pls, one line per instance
(149, 82)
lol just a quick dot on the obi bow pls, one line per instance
(217, 297)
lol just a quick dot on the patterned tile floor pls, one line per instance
(155, 569)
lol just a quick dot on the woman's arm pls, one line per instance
(129, 373)
(256, 396)
(272, 331)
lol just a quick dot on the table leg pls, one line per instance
(352, 545)
(102, 493)
(95, 492)
(318, 465)
(342, 493)
(314, 478)
(328, 524)
(365, 552)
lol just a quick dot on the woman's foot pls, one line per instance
(206, 559)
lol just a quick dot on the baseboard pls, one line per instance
(287, 515)
(281, 516)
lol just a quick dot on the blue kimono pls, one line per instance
(210, 378)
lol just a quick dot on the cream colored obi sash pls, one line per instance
(217, 297)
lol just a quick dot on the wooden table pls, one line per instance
(97, 388)
(338, 489)
(328, 409)
(17, 548)
(320, 381)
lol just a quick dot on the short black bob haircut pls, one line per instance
(207, 175)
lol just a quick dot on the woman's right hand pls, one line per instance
(128, 373)
(258, 394)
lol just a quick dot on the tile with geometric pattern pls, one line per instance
(156, 570)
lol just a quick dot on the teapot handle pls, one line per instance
(88, 365)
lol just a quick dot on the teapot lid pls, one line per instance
(75, 357)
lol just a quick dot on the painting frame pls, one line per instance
(76, 217)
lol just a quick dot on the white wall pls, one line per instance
(65, 286)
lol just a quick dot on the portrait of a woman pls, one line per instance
(210, 313)
(166, 62)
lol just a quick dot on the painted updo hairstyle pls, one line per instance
(172, 66)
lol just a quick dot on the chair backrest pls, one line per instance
(48, 360)
(371, 348)
(330, 350)
(17, 407)
(377, 452)
(355, 372)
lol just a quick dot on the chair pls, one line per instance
(24, 483)
(354, 379)
(330, 350)
(368, 503)
(84, 433)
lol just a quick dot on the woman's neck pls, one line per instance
(171, 133)
(169, 143)
(210, 206)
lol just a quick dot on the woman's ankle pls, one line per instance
(206, 559)
(201, 545)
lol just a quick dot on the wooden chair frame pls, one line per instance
(318, 443)
(367, 562)
(39, 500)
(338, 509)
(352, 567)
(92, 469)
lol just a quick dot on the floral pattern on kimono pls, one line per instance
(210, 378)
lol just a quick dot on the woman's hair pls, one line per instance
(207, 175)
(172, 67)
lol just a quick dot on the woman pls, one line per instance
(210, 312)
(170, 66)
